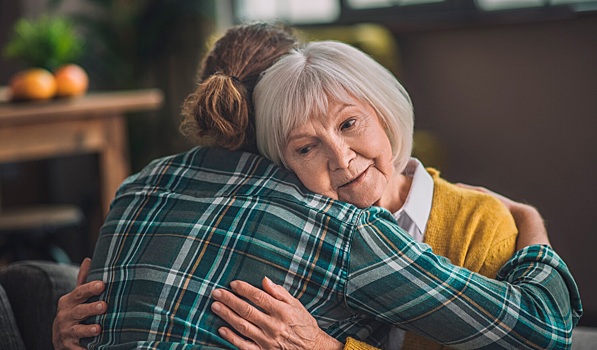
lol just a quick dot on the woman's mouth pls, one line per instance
(356, 179)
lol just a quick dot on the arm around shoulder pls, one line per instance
(540, 273)
(535, 305)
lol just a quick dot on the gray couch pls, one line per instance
(29, 293)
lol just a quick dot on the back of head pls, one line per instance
(301, 84)
(220, 111)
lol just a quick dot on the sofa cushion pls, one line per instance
(10, 338)
(33, 289)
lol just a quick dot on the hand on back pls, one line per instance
(531, 228)
(67, 329)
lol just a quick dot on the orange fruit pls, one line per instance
(71, 80)
(32, 84)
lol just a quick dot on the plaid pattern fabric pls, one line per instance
(193, 222)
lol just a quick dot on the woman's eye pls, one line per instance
(304, 150)
(347, 124)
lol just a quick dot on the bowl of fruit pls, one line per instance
(48, 49)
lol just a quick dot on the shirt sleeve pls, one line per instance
(534, 304)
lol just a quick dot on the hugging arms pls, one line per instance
(326, 251)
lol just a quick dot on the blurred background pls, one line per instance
(505, 95)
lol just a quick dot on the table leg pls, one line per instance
(113, 158)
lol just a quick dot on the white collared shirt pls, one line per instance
(413, 218)
(414, 214)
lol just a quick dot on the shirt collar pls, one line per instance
(418, 202)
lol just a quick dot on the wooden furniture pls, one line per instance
(94, 123)
(31, 230)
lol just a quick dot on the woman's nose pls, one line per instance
(340, 155)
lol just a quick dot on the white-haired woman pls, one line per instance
(344, 125)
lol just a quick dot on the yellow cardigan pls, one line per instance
(472, 229)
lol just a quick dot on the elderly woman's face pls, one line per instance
(346, 155)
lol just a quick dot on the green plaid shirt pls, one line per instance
(193, 222)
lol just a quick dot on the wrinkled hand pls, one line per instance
(531, 228)
(67, 330)
(284, 322)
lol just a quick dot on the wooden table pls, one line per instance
(92, 124)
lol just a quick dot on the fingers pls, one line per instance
(239, 307)
(83, 292)
(239, 315)
(283, 323)
(474, 188)
(83, 271)
(255, 295)
(68, 339)
(84, 331)
(531, 228)
(237, 340)
(510, 204)
(66, 330)
(83, 311)
(275, 290)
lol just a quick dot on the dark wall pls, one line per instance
(9, 12)
(515, 109)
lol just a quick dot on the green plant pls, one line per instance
(46, 42)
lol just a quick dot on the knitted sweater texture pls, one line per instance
(472, 229)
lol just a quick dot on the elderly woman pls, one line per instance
(344, 124)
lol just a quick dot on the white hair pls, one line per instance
(302, 83)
